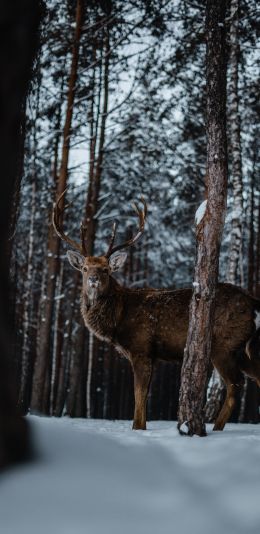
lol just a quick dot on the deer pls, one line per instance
(148, 325)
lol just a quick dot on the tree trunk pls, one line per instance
(97, 149)
(251, 247)
(257, 281)
(216, 392)
(210, 220)
(250, 414)
(89, 373)
(97, 119)
(18, 44)
(43, 352)
(23, 400)
(57, 340)
(233, 274)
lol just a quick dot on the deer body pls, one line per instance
(146, 325)
(155, 322)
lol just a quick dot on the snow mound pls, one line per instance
(100, 477)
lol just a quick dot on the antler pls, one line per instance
(142, 217)
(57, 217)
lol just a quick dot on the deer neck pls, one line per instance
(102, 314)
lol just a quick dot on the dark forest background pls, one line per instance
(115, 110)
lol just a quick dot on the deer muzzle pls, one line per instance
(93, 282)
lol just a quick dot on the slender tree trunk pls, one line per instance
(257, 282)
(251, 245)
(89, 373)
(250, 413)
(97, 119)
(234, 274)
(19, 174)
(209, 229)
(63, 376)
(58, 319)
(43, 352)
(26, 364)
(97, 150)
(57, 340)
(77, 342)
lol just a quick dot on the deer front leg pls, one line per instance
(142, 368)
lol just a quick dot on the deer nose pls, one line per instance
(93, 279)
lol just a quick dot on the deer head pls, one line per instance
(96, 270)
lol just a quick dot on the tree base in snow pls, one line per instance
(196, 427)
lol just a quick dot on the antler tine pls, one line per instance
(57, 224)
(142, 217)
(112, 239)
(141, 213)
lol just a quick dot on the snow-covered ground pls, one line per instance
(100, 477)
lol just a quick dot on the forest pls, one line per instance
(115, 112)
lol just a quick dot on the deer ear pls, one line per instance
(75, 259)
(117, 261)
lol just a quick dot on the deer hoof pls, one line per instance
(137, 426)
(217, 427)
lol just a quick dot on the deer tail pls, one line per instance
(253, 345)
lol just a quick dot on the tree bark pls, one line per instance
(98, 118)
(43, 352)
(217, 388)
(234, 275)
(208, 231)
(18, 45)
(257, 281)
(251, 245)
(23, 400)
(97, 149)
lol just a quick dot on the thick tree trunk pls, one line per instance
(43, 352)
(217, 388)
(18, 42)
(210, 220)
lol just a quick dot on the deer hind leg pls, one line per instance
(232, 396)
(227, 366)
(142, 368)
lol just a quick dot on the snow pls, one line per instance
(196, 285)
(200, 212)
(100, 477)
(257, 319)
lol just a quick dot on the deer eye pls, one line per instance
(105, 270)
(85, 269)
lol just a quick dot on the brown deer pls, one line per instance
(146, 325)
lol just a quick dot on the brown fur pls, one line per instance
(145, 325)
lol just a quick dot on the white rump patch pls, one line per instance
(200, 212)
(257, 319)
